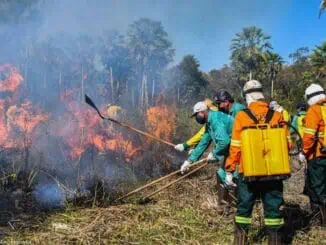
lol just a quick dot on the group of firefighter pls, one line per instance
(251, 145)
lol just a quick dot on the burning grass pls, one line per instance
(184, 214)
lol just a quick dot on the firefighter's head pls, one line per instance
(314, 93)
(301, 106)
(253, 91)
(223, 100)
(200, 112)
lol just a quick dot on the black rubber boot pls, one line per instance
(274, 238)
(240, 236)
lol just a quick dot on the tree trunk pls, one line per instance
(82, 83)
(141, 99)
(44, 74)
(127, 88)
(26, 66)
(272, 88)
(117, 90)
(112, 84)
(146, 91)
(133, 97)
(153, 91)
(60, 82)
(178, 96)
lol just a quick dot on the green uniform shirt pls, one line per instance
(218, 130)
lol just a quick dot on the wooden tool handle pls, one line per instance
(175, 181)
(158, 180)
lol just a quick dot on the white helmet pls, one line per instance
(253, 91)
(200, 106)
(314, 93)
(274, 105)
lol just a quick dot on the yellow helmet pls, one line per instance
(211, 105)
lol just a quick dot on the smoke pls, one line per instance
(202, 28)
(49, 195)
(64, 49)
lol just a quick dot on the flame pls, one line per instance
(24, 117)
(10, 78)
(161, 121)
(17, 121)
(83, 129)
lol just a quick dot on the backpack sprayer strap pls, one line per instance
(252, 117)
(323, 113)
(268, 118)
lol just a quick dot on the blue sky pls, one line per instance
(204, 28)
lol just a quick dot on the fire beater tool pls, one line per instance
(89, 101)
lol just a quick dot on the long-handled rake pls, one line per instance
(89, 101)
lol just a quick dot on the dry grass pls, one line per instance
(184, 214)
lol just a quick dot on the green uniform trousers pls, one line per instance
(271, 193)
(316, 181)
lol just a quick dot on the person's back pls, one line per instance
(259, 109)
(315, 150)
(298, 122)
(269, 190)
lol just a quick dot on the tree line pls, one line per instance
(132, 68)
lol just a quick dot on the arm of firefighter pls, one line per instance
(309, 131)
(200, 148)
(194, 140)
(235, 147)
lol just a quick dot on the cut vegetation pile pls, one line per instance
(183, 214)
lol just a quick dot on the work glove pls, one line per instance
(211, 158)
(229, 180)
(179, 147)
(185, 166)
(190, 151)
(301, 157)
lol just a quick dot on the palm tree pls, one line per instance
(322, 7)
(273, 65)
(247, 49)
(150, 51)
(318, 60)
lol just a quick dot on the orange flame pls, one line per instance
(85, 129)
(161, 121)
(10, 78)
(24, 117)
(17, 121)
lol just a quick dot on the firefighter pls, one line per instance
(226, 103)
(218, 130)
(194, 140)
(314, 148)
(299, 118)
(276, 107)
(270, 191)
